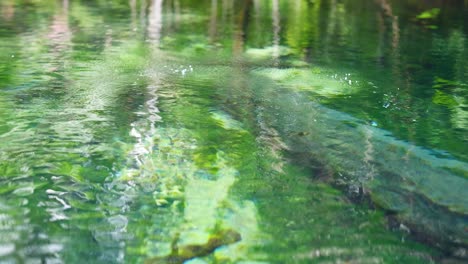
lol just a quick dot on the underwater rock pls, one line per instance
(181, 254)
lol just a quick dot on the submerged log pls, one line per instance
(181, 254)
(422, 188)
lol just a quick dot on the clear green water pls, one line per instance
(315, 131)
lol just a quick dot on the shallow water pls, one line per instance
(259, 131)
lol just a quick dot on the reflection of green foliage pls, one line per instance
(444, 99)
(429, 14)
(449, 93)
(440, 83)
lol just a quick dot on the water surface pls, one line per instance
(261, 131)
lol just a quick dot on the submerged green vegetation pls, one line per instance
(178, 131)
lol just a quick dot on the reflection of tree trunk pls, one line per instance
(381, 41)
(177, 7)
(387, 11)
(276, 30)
(7, 11)
(213, 20)
(155, 22)
(176, 13)
(240, 93)
(143, 5)
(60, 34)
(228, 6)
(154, 35)
(257, 7)
(242, 23)
(314, 33)
(60, 37)
(144, 129)
(387, 16)
(133, 13)
(402, 79)
(330, 28)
